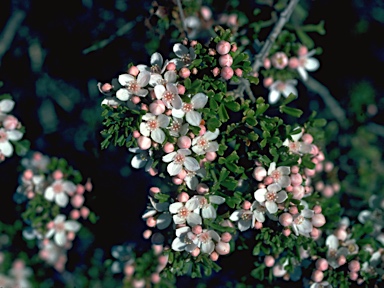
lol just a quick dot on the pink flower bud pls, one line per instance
(144, 107)
(309, 172)
(267, 63)
(278, 271)
(57, 175)
(295, 169)
(336, 188)
(84, 212)
(328, 166)
(354, 266)
(214, 256)
(182, 174)
(302, 51)
(10, 122)
(222, 248)
(234, 47)
(226, 237)
(216, 71)
(136, 134)
(286, 232)
(319, 186)
(317, 276)
(180, 89)
(71, 235)
(206, 13)
(177, 180)
(211, 52)
(307, 138)
(232, 20)
(30, 194)
(315, 233)
(184, 142)
(279, 60)
(246, 205)
(328, 191)
(318, 220)
(194, 71)
(269, 261)
(154, 190)
(134, 71)
(227, 73)
(341, 234)
(50, 225)
(129, 270)
(155, 278)
(322, 264)
(197, 229)
(225, 60)
(171, 66)
(184, 72)
(202, 188)
(77, 201)
(341, 260)
(168, 147)
(317, 209)
(195, 252)
(293, 62)
(353, 276)
(193, 43)
(296, 179)
(106, 87)
(135, 100)
(293, 210)
(151, 222)
(147, 234)
(268, 180)
(144, 142)
(88, 186)
(298, 192)
(285, 219)
(267, 82)
(183, 197)
(28, 174)
(152, 171)
(258, 225)
(157, 107)
(211, 156)
(223, 47)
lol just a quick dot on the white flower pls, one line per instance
(177, 128)
(185, 212)
(133, 86)
(204, 143)
(197, 102)
(296, 146)
(191, 179)
(169, 95)
(301, 224)
(375, 264)
(60, 229)
(207, 210)
(333, 252)
(143, 158)
(245, 219)
(5, 146)
(123, 255)
(280, 87)
(179, 159)
(269, 197)
(58, 192)
(164, 218)
(6, 105)
(153, 126)
(157, 65)
(307, 63)
(186, 56)
(185, 240)
(206, 241)
(170, 77)
(280, 174)
(258, 212)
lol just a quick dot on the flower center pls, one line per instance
(143, 156)
(246, 216)
(168, 96)
(186, 58)
(203, 143)
(299, 220)
(204, 237)
(294, 146)
(276, 175)
(179, 159)
(59, 227)
(175, 126)
(155, 69)
(183, 212)
(3, 136)
(280, 86)
(203, 202)
(133, 86)
(270, 196)
(187, 107)
(351, 248)
(152, 124)
(332, 253)
(58, 188)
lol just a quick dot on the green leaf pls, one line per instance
(251, 121)
(212, 124)
(261, 108)
(213, 104)
(319, 122)
(223, 113)
(233, 106)
(289, 99)
(291, 111)
(307, 161)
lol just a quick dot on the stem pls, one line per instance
(284, 16)
(182, 17)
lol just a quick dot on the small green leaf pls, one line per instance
(291, 111)
(223, 113)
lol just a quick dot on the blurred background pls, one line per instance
(53, 54)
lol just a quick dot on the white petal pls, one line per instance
(59, 218)
(177, 245)
(260, 195)
(148, 214)
(169, 157)
(209, 212)
(303, 73)
(199, 100)
(184, 152)
(272, 167)
(290, 89)
(191, 164)
(192, 182)
(212, 135)
(155, 80)
(124, 79)
(137, 162)
(159, 91)
(142, 92)
(212, 147)
(177, 103)
(208, 247)
(174, 169)
(182, 230)
(284, 181)
(312, 64)
(178, 220)
(14, 135)
(122, 94)
(179, 113)
(174, 207)
(157, 59)
(163, 120)
(259, 216)
(235, 216)
(6, 148)
(193, 118)
(332, 242)
(271, 206)
(49, 193)
(61, 199)
(170, 76)
(194, 219)
(244, 224)
(163, 221)
(281, 196)
(60, 238)
(216, 199)
(273, 96)
(198, 150)
(71, 225)
(180, 50)
(158, 135)
(285, 170)
(275, 187)
(144, 129)
(143, 78)
(307, 213)
(364, 216)
(6, 105)
(192, 204)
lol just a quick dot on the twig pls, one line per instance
(328, 99)
(244, 85)
(182, 17)
(284, 16)
(10, 30)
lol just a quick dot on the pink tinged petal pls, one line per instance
(307, 213)
(177, 245)
(244, 224)
(6, 105)
(71, 225)
(122, 94)
(207, 248)
(174, 169)
(144, 129)
(61, 199)
(142, 92)
(272, 167)
(271, 206)
(60, 238)
(159, 91)
(174, 207)
(213, 147)
(124, 79)
(193, 118)
(290, 89)
(235, 216)
(158, 135)
(199, 100)
(281, 197)
(143, 78)
(284, 181)
(260, 195)
(176, 102)
(182, 230)
(216, 199)
(137, 162)
(192, 204)
(259, 216)
(275, 187)
(312, 64)
(163, 221)
(170, 76)
(149, 214)
(169, 157)
(157, 59)
(179, 113)
(14, 135)
(6, 148)
(209, 212)
(142, 67)
(178, 220)
(191, 164)
(303, 73)
(211, 135)
(163, 120)
(273, 96)
(180, 50)
(49, 193)
(184, 152)
(285, 170)
(194, 219)
(198, 150)
(155, 80)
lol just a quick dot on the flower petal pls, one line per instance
(157, 59)
(49, 194)
(6, 105)
(208, 247)
(137, 162)
(194, 219)
(169, 157)
(191, 164)
(14, 135)
(179, 113)
(208, 212)
(60, 238)
(193, 118)
(122, 94)
(271, 206)
(158, 135)
(174, 169)
(216, 199)
(180, 50)
(260, 195)
(124, 79)
(178, 245)
(163, 221)
(312, 64)
(61, 199)
(273, 96)
(6, 148)
(143, 78)
(159, 91)
(174, 207)
(72, 225)
(199, 100)
(281, 196)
